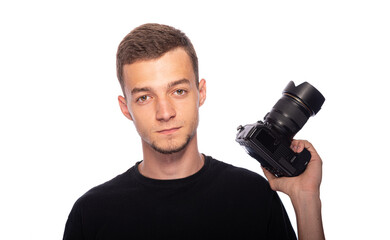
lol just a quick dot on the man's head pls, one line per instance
(151, 41)
(160, 81)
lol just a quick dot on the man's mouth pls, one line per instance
(169, 130)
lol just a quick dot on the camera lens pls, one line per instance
(294, 108)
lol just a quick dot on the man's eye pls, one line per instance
(180, 92)
(142, 98)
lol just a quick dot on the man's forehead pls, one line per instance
(174, 65)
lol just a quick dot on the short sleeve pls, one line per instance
(279, 226)
(73, 227)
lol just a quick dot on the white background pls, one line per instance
(61, 130)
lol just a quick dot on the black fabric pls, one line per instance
(220, 201)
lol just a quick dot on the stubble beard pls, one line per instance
(172, 145)
(172, 148)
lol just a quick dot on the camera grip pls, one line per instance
(301, 160)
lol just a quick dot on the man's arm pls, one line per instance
(304, 192)
(73, 227)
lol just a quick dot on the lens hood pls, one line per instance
(307, 94)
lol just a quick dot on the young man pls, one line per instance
(176, 192)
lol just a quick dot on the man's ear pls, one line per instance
(123, 106)
(202, 92)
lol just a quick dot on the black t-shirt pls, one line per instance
(220, 201)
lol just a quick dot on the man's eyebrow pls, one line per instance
(170, 85)
(178, 82)
(137, 90)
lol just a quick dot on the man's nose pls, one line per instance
(165, 110)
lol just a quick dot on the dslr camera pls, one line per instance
(269, 141)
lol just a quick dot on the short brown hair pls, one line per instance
(151, 41)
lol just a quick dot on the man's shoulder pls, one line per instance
(238, 175)
(109, 188)
(232, 170)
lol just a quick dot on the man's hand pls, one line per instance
(309, 181)
(304, 192)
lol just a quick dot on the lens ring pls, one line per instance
(300, 102)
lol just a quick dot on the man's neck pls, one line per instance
(171, 166)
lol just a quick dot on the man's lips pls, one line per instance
(169, 130)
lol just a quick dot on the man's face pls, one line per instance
(163, 100)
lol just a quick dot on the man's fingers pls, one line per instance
(298, 146)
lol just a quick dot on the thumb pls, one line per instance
(273, 181)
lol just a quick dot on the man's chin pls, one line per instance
(171, 149)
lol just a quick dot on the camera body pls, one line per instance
(272, 150)
(269, 141)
